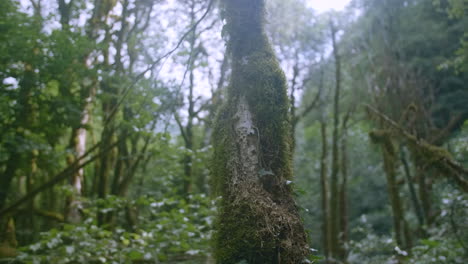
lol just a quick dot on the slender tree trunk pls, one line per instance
(402, 235)
(65, 11)
(424, 192)
(8, 241)
(334, 182)
(188, 157)
(105, 169)
(7, 177)
(78, 144)
(188, 129)
(24, 114)
(107, 160)
(326, 236)
(258, 220)
(343, 206)
(31, 223)
(414, 197)
(110, 106)
(292, 99)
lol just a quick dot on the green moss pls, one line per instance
(221, 143)
(256, 223)
(238, 237)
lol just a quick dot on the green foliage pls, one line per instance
(444, 243)
(168, 229)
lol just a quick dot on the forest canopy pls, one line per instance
(233, 131)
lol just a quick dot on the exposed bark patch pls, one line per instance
(247, 143)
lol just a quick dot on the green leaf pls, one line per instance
(430, 243)
(134, 255)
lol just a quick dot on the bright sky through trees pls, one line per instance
(325, 5)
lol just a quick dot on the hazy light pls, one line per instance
(326, 5)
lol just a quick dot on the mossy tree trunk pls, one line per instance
(390, 158)
(258, 220)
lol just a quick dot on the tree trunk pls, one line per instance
(343, 202)
(78, 144)
(334, 185)
(8, 241)
(258, 220)
(414, 197)
(24, 117)
(326, 236)
(390, 158)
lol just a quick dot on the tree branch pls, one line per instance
(433, 155)
(156, 62)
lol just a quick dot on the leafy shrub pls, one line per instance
(169, 229)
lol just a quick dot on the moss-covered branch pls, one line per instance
(426, 153)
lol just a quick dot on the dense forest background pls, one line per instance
(107, 112)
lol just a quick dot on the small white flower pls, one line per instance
(157, 204)
(70, 249)
(401, 252)
(192, 252)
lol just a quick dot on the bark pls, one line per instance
(334, 182)
(30, 178)
(79, 133)
(8, 241)
(65, 11)
(292, 99)
(343, 202)
(424, 191)
(78, 144)
(7, 177)
(191, 109)
(110, 106)
(389, 154)
(258, 220)
(326, 236)
(414, 197)
(106, 162)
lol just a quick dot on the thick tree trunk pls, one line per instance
(258, 220)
